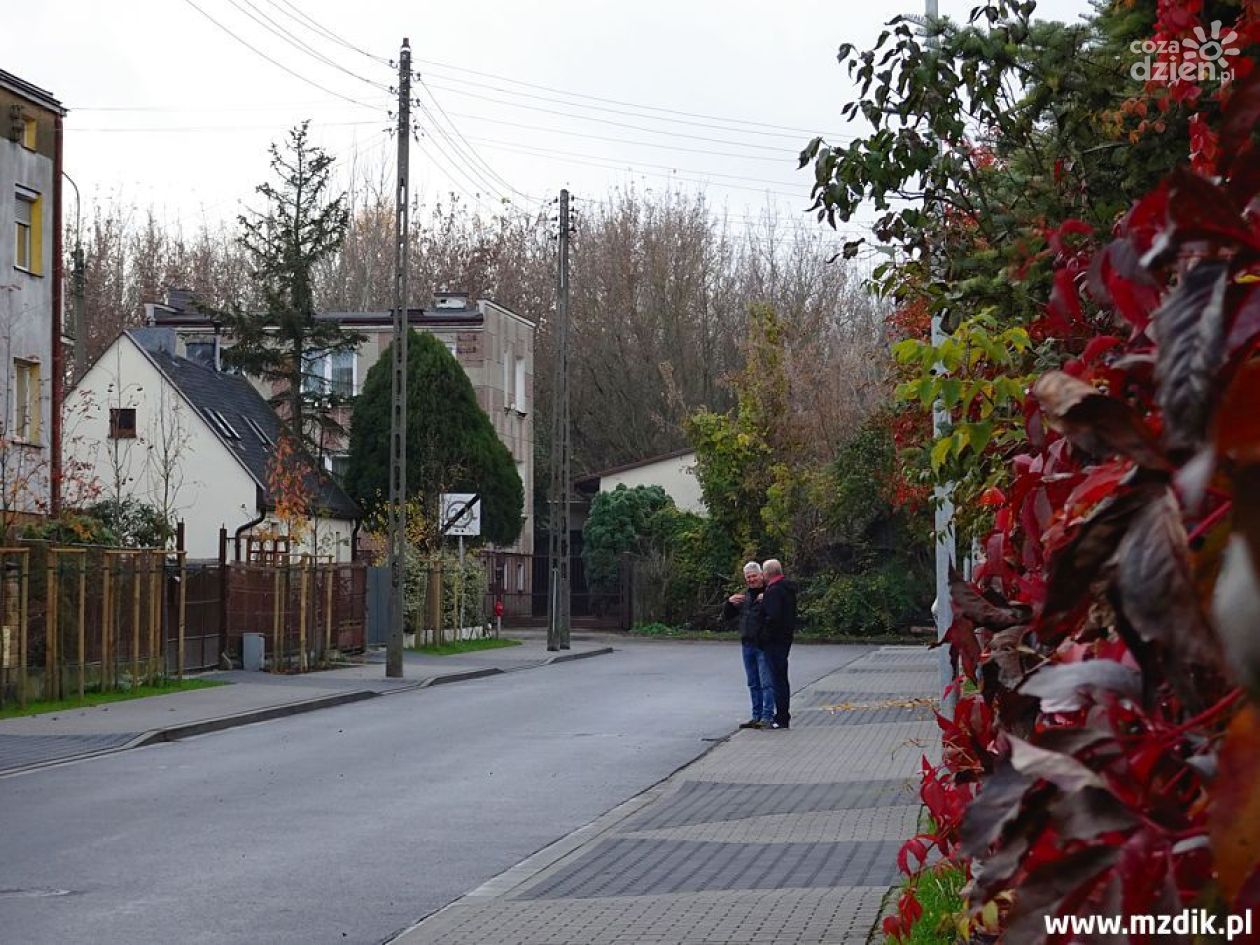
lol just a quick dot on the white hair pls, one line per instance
(772, 566)
(752, 567)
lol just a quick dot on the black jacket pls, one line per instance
(778, 612)
(749, 613)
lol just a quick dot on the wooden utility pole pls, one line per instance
(560, 597)
(398, 416)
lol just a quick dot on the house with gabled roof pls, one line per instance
(193, 441)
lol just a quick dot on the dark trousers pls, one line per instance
(777, 657)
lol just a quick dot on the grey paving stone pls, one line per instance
(706, 802)
(879, 823)
(821, 715)
(820, 754)
(646, 867)
(838, 916)
(17, 751)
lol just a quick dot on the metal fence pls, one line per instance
(85, 617)
(307, 613)
(522, 584)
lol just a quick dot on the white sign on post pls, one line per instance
(461, 514)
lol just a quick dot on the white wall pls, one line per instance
(208, 488)
(676, 476)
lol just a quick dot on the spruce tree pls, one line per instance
(302, 225)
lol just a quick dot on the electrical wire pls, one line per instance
(476, 158)
(611, 101)
(310, 23)
(278, 65)
(267, 23)
(604, 108)
(788, 157)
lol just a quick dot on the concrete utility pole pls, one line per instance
(944, 517)
(398, 414)
(560, 598)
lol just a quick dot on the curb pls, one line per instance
(460, 677)
(569, 657)
(206, 726)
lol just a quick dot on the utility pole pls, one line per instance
(398, 413)
(944, 515)
(561, 446)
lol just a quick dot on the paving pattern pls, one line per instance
(773, 837)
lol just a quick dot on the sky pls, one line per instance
(169, 108)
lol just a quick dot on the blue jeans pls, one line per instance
(777, 661)
(760, 685)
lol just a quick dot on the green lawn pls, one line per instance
(466, 646)
(12, 710)
(940, 894)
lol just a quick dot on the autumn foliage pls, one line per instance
(1104, 754)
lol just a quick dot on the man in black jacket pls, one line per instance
(778, 619)
(747, 607)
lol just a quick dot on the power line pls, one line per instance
(278, 65)
(604, 108)
(599, 157)
(789, 157)
(198, 128)
(695, 180)
(622, 124)
(611, 101)
(277, 30)
(477, 158)
(310, 23)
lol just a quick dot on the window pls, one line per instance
(507, 379)
(220, 423)
(338, 464)
(258, 431)
(30, 133)
(26, 401)
(519, 386)
(341, 373)
(520, 576)
(329, 373)
(204, 353)
(28, 231)
(122, 423)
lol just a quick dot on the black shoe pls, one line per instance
(751, 723)
(782, 725)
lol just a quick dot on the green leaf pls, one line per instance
(940, 452)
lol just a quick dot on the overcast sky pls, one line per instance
(168, 110)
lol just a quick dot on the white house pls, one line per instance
(191, 441)
(674, 472)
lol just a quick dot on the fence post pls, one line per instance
(435, 600)
(275, 624)
(24, 601)
(52, 671)
(183, 603)
(82, 620)
(154, 559)
(135, 620)
(304, 588)
(329, 578)
(107, 621)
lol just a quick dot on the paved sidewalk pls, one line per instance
(55, 737)
(774, 837)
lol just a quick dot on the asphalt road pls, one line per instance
(348, 824)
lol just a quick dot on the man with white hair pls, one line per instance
(778, 619)
(747, 607)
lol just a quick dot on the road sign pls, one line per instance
(461, 514)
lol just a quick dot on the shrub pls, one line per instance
(883, 600)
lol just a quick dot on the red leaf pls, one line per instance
(1241, 116)
(1094, 422)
